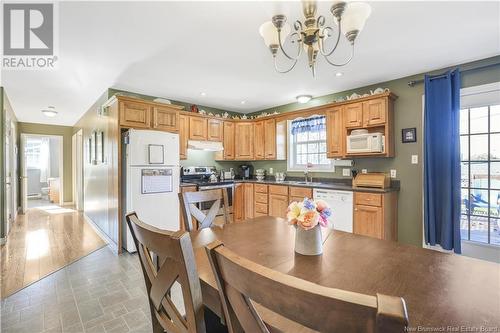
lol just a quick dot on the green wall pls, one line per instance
(66, 132)
(407, 113)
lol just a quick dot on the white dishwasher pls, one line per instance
(340, 203)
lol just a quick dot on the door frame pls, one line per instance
(77, 169)
(24, 178)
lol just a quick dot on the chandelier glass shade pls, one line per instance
(311, 35)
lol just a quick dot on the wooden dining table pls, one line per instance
(442, 291)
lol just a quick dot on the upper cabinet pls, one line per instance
(183, 135)
(228, 140)
(138, 113)
(259, 152)
(270, 139)
(353, 115)
(243, 138)
(334, 133)
(135, 114)
(374, 112)
(165, 118)
(198, 128)
(215, 130)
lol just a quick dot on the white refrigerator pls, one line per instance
(151, 180)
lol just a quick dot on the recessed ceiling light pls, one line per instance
(203, 93)
(243, 102)
(50, 111)
(339, 74)
(303, 98)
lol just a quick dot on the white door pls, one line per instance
(24, 176)
(8, 180)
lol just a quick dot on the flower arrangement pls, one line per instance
(308, 213)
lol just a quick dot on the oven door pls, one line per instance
(205, 206)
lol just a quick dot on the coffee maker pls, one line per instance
(245, 171)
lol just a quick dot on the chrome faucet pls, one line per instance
(306, 173)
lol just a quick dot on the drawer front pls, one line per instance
(368, 199)
(261, 208)
(261, 197)
(300, 192)
(260, 188)
(278, 189)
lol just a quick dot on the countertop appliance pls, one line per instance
(360, 142)
(245, 171)
(151, 180)
(341, 203)
(200, 176)
(372, 179)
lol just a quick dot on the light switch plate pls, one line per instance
(364, 171)
(393, 173)
(346, 172)
(414, 159)
(271, 171)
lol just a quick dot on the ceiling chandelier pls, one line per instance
(311, 34)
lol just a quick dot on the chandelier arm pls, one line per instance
(299, 44)
(284, 71)
(342, 64)
(322, 49)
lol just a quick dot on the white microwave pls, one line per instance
(365, 143)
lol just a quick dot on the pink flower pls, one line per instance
(321, 205)
(322, 221)
(308, 220)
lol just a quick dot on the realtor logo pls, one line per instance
(28, 36)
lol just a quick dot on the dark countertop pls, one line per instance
(330, 184)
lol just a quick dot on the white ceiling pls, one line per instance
(177, 50)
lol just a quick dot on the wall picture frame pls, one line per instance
(409, 135)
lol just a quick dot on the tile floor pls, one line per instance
(99, 293)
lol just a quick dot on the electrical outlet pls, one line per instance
(414, 159)
(393, 173)
(271, 171)
(346, 172)
(364, 171)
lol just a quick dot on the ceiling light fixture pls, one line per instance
(243, 102)
(50, 111)
(310, 35)
(303, 98)
(203, 93)
(339, 74)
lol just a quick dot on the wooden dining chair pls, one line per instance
(242, 282)
(190, 202)
(173, 261)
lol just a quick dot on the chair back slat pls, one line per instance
(167, 257)
(190, 202)
(241, 282)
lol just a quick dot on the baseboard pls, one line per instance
(111, 244)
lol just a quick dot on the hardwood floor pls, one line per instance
(41, 242)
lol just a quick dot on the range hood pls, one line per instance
(205, 145)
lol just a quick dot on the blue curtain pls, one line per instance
(442, 160)
(313, 124)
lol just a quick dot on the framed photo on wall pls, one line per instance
(93, 147)
(409, 135)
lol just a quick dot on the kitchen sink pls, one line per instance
(307, 183)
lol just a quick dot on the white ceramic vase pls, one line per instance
(308, 242)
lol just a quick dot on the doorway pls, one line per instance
(42, 170)
(77, 158)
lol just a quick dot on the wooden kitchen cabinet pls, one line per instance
(261, 200)
(249, 200)
(165, 119)
(239, 202)
(259, 140)
(243, 138)
(215, 130)
(135, 114)
(198, 128)
(299, 193)
(228, 140)
(270, 139)
(183, 135)
(278, 205)
(335, 133)
(375, 215)
(374, 112)
(353, 115)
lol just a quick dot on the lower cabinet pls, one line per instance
(239, 202)
(375, 215)
(261, 200)
(278, 200)
(249, 200)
